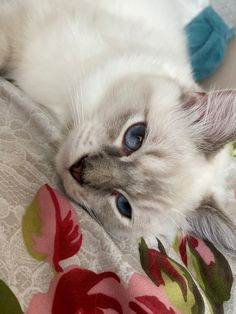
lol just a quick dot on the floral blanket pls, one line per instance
(52, 233)
(56, 259)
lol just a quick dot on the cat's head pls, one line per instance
(145, 156)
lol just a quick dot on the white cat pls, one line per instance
(145, 152)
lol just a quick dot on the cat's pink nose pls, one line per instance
(76, 170)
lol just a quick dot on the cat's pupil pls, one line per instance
(123, 206)
(134, 136)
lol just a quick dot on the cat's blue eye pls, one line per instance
(123, 206)
(133, 138)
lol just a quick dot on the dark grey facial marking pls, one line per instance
(209, 222)
(112, 151)
(106, 172)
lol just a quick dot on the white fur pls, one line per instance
(68, 55)
(59, 43)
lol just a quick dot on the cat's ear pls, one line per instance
(212, 118)
(209, 222)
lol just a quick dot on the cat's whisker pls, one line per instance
(95, 216)
(81, 95)
(75, 116)
(179, 212)
(71, 105)
(174, 222)
(79, 105)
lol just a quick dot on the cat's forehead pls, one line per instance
(140, 99)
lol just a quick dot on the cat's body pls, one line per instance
(121, 64)
(53, 44)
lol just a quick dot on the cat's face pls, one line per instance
(133, 160)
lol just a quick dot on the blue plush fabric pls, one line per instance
(207, 36)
